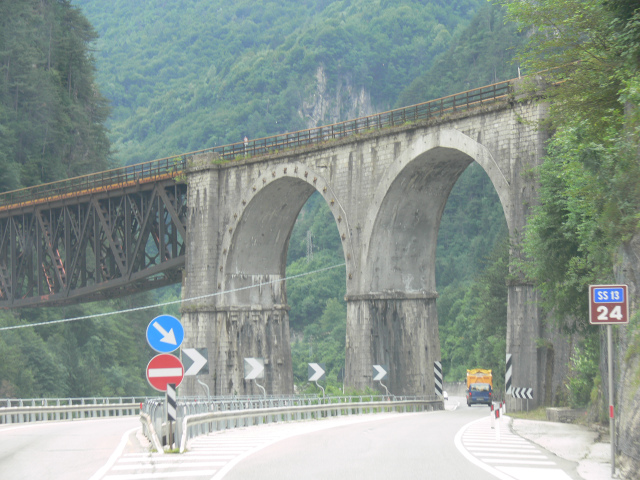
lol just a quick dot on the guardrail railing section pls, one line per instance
(200, 417)
(63, 409)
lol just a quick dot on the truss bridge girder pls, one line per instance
(94, 247)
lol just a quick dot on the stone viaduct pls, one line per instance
(387, 190)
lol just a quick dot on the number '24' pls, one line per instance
(605, 315)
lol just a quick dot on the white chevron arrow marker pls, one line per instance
(257, 367)
(318, 372)
(381, 372)
(198, 361)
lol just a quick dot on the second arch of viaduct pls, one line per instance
(387, 191)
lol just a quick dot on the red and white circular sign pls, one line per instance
(165, 369)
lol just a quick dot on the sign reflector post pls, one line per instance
(171, 401)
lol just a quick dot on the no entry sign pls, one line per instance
(608, 304)
(164, 369)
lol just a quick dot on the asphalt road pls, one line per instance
(456, 443)
(407, 446)
(73, 450)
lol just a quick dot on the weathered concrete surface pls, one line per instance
(387, 191)
(399, 332)
(627, 365)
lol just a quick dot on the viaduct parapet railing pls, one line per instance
(172, 167)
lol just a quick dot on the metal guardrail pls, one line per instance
(174, 166)
(194, 425)
(43, 402)
(9, 415)
(201, 417)
(19, 410)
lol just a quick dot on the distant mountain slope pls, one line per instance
(189, 75)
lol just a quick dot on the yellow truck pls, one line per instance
(479, 386)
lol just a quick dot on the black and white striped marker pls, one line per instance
(437, 375)
(172, 402)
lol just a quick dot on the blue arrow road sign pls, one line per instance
(165, 333)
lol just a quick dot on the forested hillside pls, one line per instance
(181, 76)
(184, 76)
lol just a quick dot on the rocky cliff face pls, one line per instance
(334, 101)
(627, 364)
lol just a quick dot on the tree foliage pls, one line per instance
(51, 112)
(587, 55)
(185, 77)
(589, 198)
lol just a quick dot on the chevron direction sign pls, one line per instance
(316, 372)
(195, 361)
(380, 372)
(524, 393)
(253, 368)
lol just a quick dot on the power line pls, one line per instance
(155, 305)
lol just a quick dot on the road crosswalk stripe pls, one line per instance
(494, 448)
(154, 476)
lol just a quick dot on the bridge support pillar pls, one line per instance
(400, 331)
(524, 333)
(232, 334)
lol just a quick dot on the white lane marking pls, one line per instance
(487, 468)
(153, 476)
(517, 462)
(114, 456)
(529, 474)
(496, 457)
(513, 455)
(170, 465)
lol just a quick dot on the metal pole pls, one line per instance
(612, 427)
(206, 388)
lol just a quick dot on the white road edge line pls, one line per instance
(474, 460)
(115, 455)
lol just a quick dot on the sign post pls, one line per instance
(609, 305)
(380, 373)
(316, 373)
(254, 369)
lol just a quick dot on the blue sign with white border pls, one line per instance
(165, 333)
(608, 294)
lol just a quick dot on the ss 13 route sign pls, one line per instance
(608, 304)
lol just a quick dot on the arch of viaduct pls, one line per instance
(387, 191)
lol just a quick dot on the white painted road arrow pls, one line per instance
(255, 367)
(381, 372)
(197, 358)
(318, 372)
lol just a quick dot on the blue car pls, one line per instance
(479, 393)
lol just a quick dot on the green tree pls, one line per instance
(51, 109)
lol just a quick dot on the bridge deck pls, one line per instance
(172, 167)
